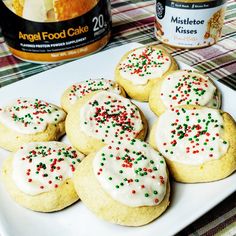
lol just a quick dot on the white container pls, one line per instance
(189, 23)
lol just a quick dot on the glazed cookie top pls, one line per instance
(132, 173)
(107, 116)
(30, 116)
(143, 64)
(83, 88)
(188, 87)
(43, 166)
(191, 136)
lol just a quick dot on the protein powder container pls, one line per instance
(55, 30)
(189, 23)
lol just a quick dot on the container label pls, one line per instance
(43, 27)
(189, 24)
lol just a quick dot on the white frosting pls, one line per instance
(37, 10)
(30, 116)
(132, 173)
(43, 166)
(191, 136)
(107, 116)
(188, 87)
(143, 64)
(81, 89)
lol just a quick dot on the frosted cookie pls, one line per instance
(30, 120)
(79, 90)
(140, 68)
(38, 176)
(102, 116)
(183, 87)
(198, 143)
(124, 183)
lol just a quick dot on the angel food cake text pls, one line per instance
(55, 30)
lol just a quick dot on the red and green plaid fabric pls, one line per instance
(133, 21)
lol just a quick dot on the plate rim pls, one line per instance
(184, 224)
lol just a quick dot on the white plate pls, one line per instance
(188, 202)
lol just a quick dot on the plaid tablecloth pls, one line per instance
(133, 21)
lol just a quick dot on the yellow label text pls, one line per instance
(47, 36)
(77, 31)
(30, 37)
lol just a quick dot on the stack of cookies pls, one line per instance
(116, 173)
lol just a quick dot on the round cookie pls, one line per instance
(183, 87)
(140, 68)
(79, 90)
(30, 120)
(124, 183)
(102, 116)
(198, 143)
(38, 175)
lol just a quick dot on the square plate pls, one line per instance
(188, 201)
